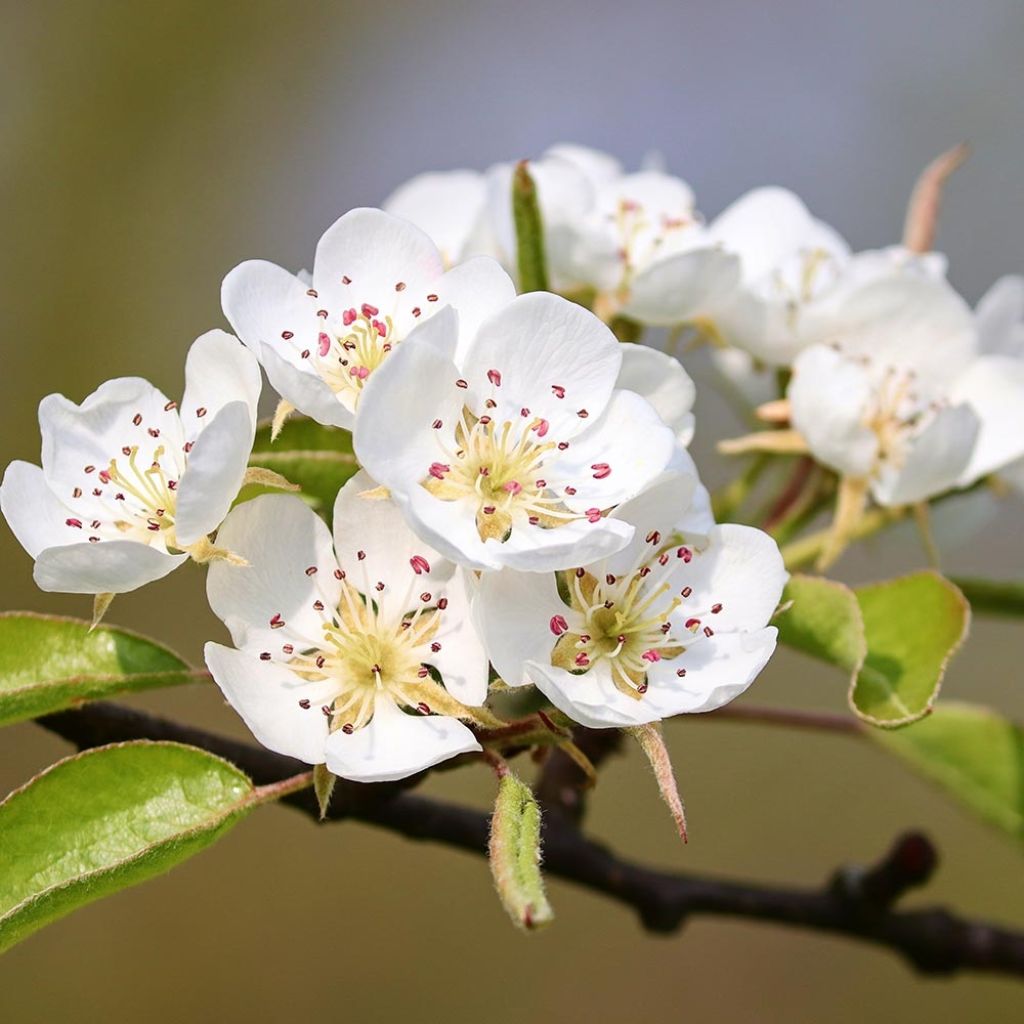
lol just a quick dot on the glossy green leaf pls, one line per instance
(318, 459)
(913, 625)
(49, 663)
(107, 819)
(823, 620)
(995, 597)
(972, 752)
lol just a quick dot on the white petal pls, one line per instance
(591, 699)
(394, 439)
(448, 206)
(540, 343)
(767, 225)
(477, 289)
(33, 512)
(597, 166)
(90, 434)
(375, 251)
(281, 538)
(830, 397)
(218, 370)
(933, 461)
(994, 388)
(110, 567)
(661, 380)
(656, 508)
(268, 306)
(999, 317)
(213, 478)
(462, 660)
(395, 745)
(672, 290)
(742, 571)
(514, 610)
(374, 545)
(305, 390)
(629, 441)
(718, 669)
(267, 697)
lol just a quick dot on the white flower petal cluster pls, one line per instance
(333, 641)
(131, 482)
(375, 278)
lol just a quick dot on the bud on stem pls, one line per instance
(515, 854)
(530, 255)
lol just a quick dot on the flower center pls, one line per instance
(145, 494)
(363, 651)
(499, 468)
(628, 621)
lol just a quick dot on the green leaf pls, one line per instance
(531, 257)
(974, 753)
(107, 819)
(515, 854)
(824, 621)
(319, 459)
(49, 663)
(997, 597)
(913, 625)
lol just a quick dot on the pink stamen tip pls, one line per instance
(693, 624)
(601, 470)
(381, 328)
(324, 344)
(541, 427)
(513, 487)
(558, 625)
(715, 609)
(582, 660)
(276, 622)
(558, 391)
(654, 537)
(593, 515)
(685, 554)
(651, 656)
(348, 318)
(360, 372)
(368, 310)
(494, 376)
(104, 476)
(76, 523)
(419, 564)
(438, 470)
(442, 603)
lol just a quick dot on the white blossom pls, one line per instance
(131, 483)
(512, 450)
(336, 647)
(663, 627)
(375, 278)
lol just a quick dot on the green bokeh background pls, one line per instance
(148, 147)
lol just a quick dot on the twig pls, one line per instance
(854, 903)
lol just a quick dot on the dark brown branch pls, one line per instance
(856, 903)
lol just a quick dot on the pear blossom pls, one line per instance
(660, 628)
(133, 483)
(993, 384)
(451, 207)
(512, 450)
(884, 403)
(660, 379)
(375, 278)
(360, 654)
(787, 259)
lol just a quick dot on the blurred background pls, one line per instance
(148, 148)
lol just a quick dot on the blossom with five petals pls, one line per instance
(375, 278)
(512, 451)
(339, 648)
(663, 627)
(131, 483)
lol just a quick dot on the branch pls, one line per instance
(856, 903)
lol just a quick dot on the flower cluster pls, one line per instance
(526, 512)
